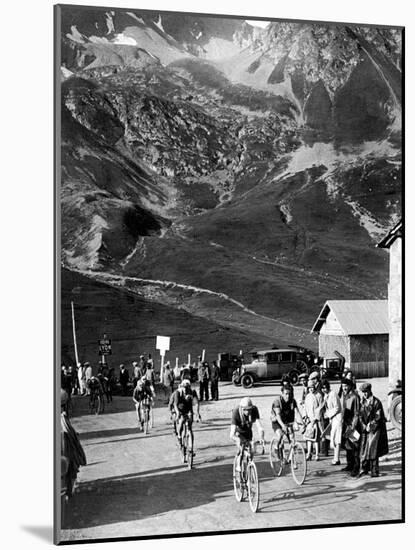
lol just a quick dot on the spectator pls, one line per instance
(168, 380)
(66, 380)
(150, 363)
(185, 373)
(203, 376)
(88, 376)
(81, 378)
(332, 411)
(71, 451)
(350, 404)
(176, 372)
(124, 379)
(142, 363)
(374, 434)
(312, 407)
(214, 381)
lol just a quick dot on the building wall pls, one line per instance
(332, 325)
(329, 343)
(395, 311)
(369, 355)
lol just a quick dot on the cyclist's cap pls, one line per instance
(86, 364)
(186, 382)
(246, 403)
(135, 363)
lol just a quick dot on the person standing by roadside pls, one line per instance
(142, 363)
(332, 411)
(81, 379)
(374, 434)
(185, 373)
(88, 376)
(124, 379)
(313, 410)
(350, 404)
(168, 380)
(214, 381)
(203, 376)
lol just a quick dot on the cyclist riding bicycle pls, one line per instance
(283, 411)
(243, 418)
(182, 401)
(95, 386)
(142, 391)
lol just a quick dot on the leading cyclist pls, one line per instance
(243, 418)
(182, 402)
(142, 391)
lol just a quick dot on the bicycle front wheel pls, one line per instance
(298, 464)
(189, 451)
(253, 487)
(237, 481)
(146, 420)
(276, 457)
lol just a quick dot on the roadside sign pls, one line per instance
(163, 344)
(104, 346)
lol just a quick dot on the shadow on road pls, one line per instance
(135, 497)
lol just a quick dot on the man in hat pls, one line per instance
(374, 434)
(351, 429)
(124, 379)
(214, 381)
(203, 376)
(137, 374)
(332, 412)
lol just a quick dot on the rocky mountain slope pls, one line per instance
(243, 175)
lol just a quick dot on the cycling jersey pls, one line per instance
(286, 410)
(184, 401)
(141, 393)
(244, 425)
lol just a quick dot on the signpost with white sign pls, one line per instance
(104, 345)
(163, 345)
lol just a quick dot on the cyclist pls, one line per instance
(243, 418)
(182, 400)
(142, 391)
(283, 411)
(95, 388)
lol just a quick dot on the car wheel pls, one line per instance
(247, 381)
(293, 377)
(302, 366)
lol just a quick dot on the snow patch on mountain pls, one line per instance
(109, 21)
(375, 229)
(124, 40)
(75, 35)
(159, 24)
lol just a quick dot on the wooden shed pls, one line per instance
(359, 330)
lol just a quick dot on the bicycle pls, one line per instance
(186, 442)
(96, 402)
(288, 451)
(146, 413)
(246, 480)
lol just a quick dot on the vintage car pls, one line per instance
(270, 364)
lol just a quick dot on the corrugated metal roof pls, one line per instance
(356, 316)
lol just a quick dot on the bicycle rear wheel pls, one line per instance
(253, 487)
(237, 481)
(184, 443)
(276, 457)
(298, 464)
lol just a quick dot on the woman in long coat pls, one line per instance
(374, 434)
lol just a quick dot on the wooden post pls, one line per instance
(74, 335)
(203, 355)
(188, 359)
(161, 366)
(177, 362)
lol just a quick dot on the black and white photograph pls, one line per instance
(229, 217)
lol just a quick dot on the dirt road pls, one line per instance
(135, 484)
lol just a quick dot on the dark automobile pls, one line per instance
(270, 364)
